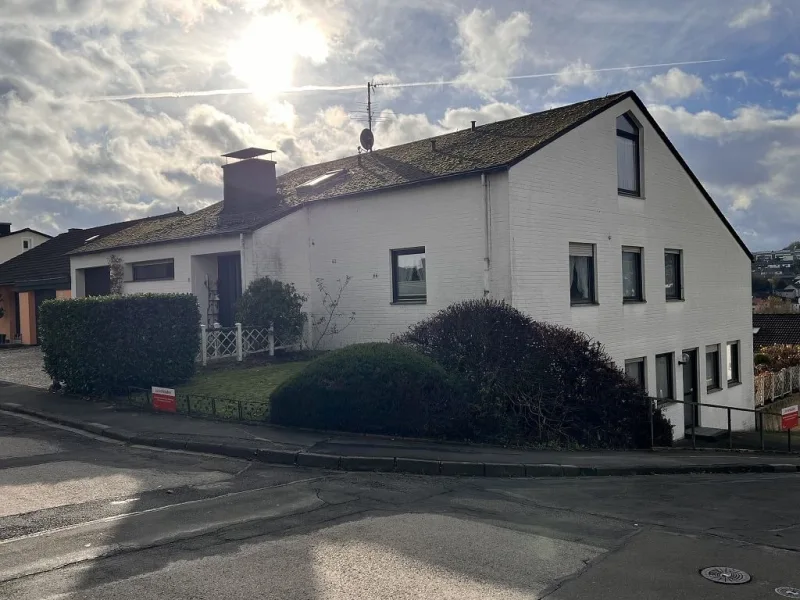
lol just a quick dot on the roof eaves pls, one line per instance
(80, 252)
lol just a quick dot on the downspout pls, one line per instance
(241, 262)
(487, 234)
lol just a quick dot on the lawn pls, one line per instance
(241, 382)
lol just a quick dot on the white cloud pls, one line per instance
(575, 74)
(751, 15)
(792, 59)
(490, 48)
(740, 75)
(675, 83)
(708, 124)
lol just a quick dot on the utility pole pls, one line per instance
(369, 105)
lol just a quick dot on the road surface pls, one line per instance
(85, 518)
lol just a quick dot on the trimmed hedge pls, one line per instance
(371, 388)
(106, 344)
(536, 382)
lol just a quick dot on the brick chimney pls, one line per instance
(5, 229)
(249, 183)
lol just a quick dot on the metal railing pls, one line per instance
(743, 434)
(771, 386)
(200, 405)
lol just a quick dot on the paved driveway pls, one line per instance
(23, 366)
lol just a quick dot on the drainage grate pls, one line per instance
(726, 575)
(788, 592)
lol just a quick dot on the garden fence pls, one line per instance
(238, 341)
(771, 386)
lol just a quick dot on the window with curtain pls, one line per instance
(632, 289)
(733, 362)
(408, 275)
(581, 274)
(664, 378)
(635, 370)
(154, 270)
(628, 167)
(672, 275)
(712, 368)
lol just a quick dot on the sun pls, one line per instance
(265, 55)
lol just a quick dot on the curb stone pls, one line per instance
(398, 464)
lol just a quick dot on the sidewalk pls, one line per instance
(368, 453)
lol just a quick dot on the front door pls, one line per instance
(691, 412)
(229, 275)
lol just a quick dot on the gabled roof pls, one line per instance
(492, 147)
(48, 262)
(776, 329)
(27, 229)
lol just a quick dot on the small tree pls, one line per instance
(271, 302)
(331, 321)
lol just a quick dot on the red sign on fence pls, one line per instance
(164, 399)
(789, 417)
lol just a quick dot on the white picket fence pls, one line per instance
(238, 341)
(772, 386)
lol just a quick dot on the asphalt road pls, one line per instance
(84, 518)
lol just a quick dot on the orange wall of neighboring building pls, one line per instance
(63, 294)
(27, 317)
(7, 323)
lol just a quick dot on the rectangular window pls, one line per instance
(581, 274)
(665, 389)
(26, 243)
(632, 274)
(628, 167)
(733, 362)
(409, 275)
(673, 283)
(712, 368)
(148, 271)
(635, 370)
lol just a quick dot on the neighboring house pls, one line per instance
(43, 273)
(584, 215)
(14, 243)
(775, 329)
(790, 292)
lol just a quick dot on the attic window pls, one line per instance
(329, 177)
(91, 239)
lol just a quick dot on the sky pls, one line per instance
(72, 157)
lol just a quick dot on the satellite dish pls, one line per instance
(367, 139)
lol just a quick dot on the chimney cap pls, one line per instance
(248, 153)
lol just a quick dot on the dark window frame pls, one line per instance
(636, 138)
(716, 383)
(735, 364)
(638, 252)
(592, 278)
(151, 263)
(415, 299)
(670, 356)
(678, 295)
(642, 364)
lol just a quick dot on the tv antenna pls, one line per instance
(366, 115)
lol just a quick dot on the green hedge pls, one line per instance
(105, 344)
(371, 388)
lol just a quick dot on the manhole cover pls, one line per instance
(727, 575)
(788, 592)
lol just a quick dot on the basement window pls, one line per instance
(154, 270)
(326, 178)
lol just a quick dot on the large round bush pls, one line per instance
(371, 388)
(535, 382)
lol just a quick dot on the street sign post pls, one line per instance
(789, 417)
(164, 399)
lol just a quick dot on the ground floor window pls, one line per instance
(409, 275)
(733, 362)
(665, 387)
(156, 269)
(635, 369)
(712, 368)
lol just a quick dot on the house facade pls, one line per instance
(584, 216)
(14, 243)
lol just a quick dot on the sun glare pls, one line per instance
(264, 57)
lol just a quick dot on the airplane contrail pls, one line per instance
(359, 86)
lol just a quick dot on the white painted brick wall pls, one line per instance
(567, 192)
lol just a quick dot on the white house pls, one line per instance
(583, 215)
(14, 243)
